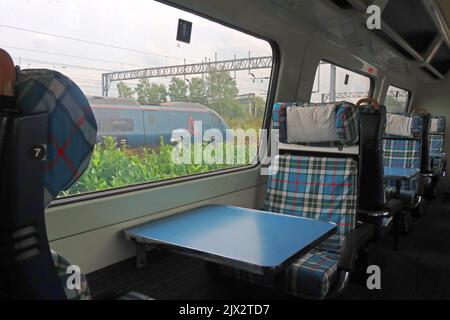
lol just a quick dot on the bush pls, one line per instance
(113, 167)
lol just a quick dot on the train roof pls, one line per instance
(130, 104)
(96, 100)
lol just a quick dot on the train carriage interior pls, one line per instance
(224, 150)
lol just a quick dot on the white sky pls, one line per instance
(142, 25)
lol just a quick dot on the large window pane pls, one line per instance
(397, 99)
(141, 116)
(333, 83)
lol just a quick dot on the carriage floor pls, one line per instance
(419, 270)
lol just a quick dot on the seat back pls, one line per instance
(47, 135)
(323, 179)
(436, 142)
(405, 145)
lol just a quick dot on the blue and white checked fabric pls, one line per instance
(312, 275)
(309, 277)
(403, 153)
(436, 146)
(62, 265)
(316, 188)
(72, 129)
(347, 122)
(436, 143)
(279, 119)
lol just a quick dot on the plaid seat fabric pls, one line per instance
(312, 275)
(309, 277)
(279, 119)
(62, 265)
(436, 146)
(72, 129)
(403, 153)
(436, 143)
(347, 122)
(316, 188)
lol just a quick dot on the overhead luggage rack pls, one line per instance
(424, 49)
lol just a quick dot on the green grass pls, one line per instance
(112, 167)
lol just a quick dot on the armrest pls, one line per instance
(374, 215)
(394, 206)
(353, 242)
(134, 296)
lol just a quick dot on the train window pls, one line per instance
(333, 83)
(122, 125)
(151, 120)
(153, 86)
(397, 100)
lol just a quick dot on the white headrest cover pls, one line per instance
(311, 125)
(434, 126)
(398, 125)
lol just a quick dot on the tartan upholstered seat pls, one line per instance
(72, 132)
(436, 144)
(312, 275)
(314, 187)
(404, 151)
(72, 129)
(320, 188)
(71, 137)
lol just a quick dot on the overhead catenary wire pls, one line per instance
(72, 56)
(91, 42)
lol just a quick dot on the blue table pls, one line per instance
(400, 174)
(255, 241)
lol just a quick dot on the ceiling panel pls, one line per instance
(445, 6)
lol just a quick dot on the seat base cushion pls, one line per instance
(309, 277)
(312, 275)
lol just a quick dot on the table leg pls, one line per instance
(395, 233)
(396, 216)
(279, 282)
(141, 255)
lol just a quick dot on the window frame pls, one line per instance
(371, 77)
(266, 124)
(408, 103)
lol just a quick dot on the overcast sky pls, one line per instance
(146, 27)
(35, 33)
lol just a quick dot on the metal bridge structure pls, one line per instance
(233, 65)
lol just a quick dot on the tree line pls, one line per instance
(218, 90)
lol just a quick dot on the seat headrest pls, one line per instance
(317, 124)
(438, 124)
(404, 125)
(72, 129)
